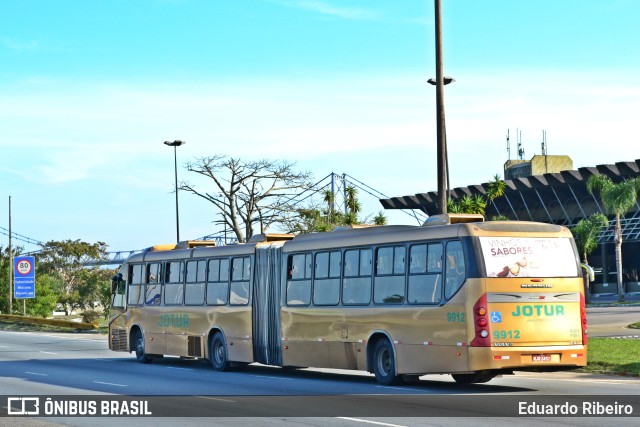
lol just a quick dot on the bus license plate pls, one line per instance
(541, 358)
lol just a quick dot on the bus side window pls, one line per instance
(153, 291)
(455, 268)
(326, 280)
(135, 282)
(299, 281)
(425, 274)
(388, 285)
(240, 275)
(356, 282)
(218, 282)
(174, 286)
(195, 282)
(118, 290)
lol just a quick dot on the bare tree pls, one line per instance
(250, 195)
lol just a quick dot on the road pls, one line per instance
(612, 321)
(58, 364)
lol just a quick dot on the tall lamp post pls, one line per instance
(175, 144)
(442, 143)
(445, 81)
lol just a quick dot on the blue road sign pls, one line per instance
(24, 277)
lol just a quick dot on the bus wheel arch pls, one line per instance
(136, 344)
(381, 359)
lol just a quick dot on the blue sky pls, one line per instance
(89, 90)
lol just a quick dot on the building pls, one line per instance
(558, 196)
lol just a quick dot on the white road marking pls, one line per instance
(359, 420)
(274, 378)
(179, 369)
(47, 352)
(37, 373)
(113, 384)
(215, 398)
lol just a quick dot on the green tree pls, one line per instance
(65, 260)
(380, 219)
(617, 200)
(46, 299)
(353, 205)
(321, 217)
(4, 277)
(477, 204)
(587, 232)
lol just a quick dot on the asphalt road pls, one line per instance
(613, 321)
(67, 364)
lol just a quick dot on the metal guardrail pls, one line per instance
(49, 322)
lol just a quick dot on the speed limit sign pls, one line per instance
(24, 266)
(24, 279)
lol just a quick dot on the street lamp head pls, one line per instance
(176, 143)
(445, 79)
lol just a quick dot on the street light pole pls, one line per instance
(175, 144)
(441, 143)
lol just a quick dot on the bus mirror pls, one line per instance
(589, 271)
(117, 284)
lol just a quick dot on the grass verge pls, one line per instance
(613, 356)
(29, 327)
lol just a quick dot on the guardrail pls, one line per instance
(49, 322)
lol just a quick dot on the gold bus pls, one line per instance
(455, 296)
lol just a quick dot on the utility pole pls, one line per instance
(10, 264)
(442, 142)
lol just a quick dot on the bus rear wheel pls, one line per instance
(138, 342)
(384, 364)
(218, 353)
(474, 378)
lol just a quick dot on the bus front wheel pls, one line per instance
(138, 342)
(384, 364)
(218, 353)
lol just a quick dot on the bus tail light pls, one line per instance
(481, 323)
(583, 318)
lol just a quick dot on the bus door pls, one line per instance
(173, 321)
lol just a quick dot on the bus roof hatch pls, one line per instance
(452, 218)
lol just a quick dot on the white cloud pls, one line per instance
(20, 45)
(326, 8)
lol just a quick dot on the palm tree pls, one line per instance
(329, 198)
(586, 234)
(495, 188)
(477, 204)
(617, 199)
(380, 219)
(351, 200)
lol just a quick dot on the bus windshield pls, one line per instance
(528, 257)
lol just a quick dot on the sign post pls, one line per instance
(24, 279)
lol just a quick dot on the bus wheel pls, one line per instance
(384, 365)
(138, 342)
(218, 353)
(475, 378)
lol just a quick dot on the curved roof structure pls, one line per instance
(557, 198)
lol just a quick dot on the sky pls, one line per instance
(89, 90)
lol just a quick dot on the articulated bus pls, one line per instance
(456, 296)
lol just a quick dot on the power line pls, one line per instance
(20, 237)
